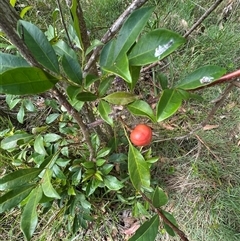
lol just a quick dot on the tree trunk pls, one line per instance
(8, 24)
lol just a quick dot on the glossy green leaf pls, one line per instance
(154, 46)
(112, 183)
(55, 14)
(169, 230)
(62, 162)
(106, 168)
(24, 11)
(39, 45)
(47, 187)
(184, 94)
(62, 48)
(29, 217)
(95, 43)
(107, 57)
(51, 137)
(26, 80)
(113, 57)
(12, 141)
(140, 210)
(103, 152)
(148, 231)
(28, 104)
(72, 69)
(168, 104)
(52, 117)
(98, 176)
(14, 197)
(104, 110)
(88, 164)
(86, 96)
(92, 186)
(21, 114)
(141, 108)
(105, 85)
(138, 168)
(18, 178)
(90, 79)
(39, 145)
(131, 29)
(76, 24)
(120, 98)
(100, 162)
(163, 80)
(159, 198)
(135, 73)
(57, 172)
(73, 91)
(13, 2)
(201, 77)
(12, 101)
(152, 160)
(76, 177)
(170, 217)
(10, 61)
(120, 67)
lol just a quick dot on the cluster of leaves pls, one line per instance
(47, 172)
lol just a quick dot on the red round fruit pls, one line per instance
(141, 135)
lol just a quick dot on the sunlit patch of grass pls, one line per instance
(99, 15)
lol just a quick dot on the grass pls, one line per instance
(200, 173)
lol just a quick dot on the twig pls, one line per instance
(236, 83)
(218, 103)
(201, 141)
(64, 24)
(203, 17)
(112, 31)
(74, 113)
(233, 77)
(145, 69)
(180, 233)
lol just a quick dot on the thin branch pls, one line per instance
(218, 103)
(112, 31)
(236, 83)
(8, 24)
(74, 113)
(203, 17)
(180, 233)
(226, 78)
(64, 24)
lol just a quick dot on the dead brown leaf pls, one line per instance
(132, 229)
(167, 126)
(210, 127)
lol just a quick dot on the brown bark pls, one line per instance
(8, 24)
